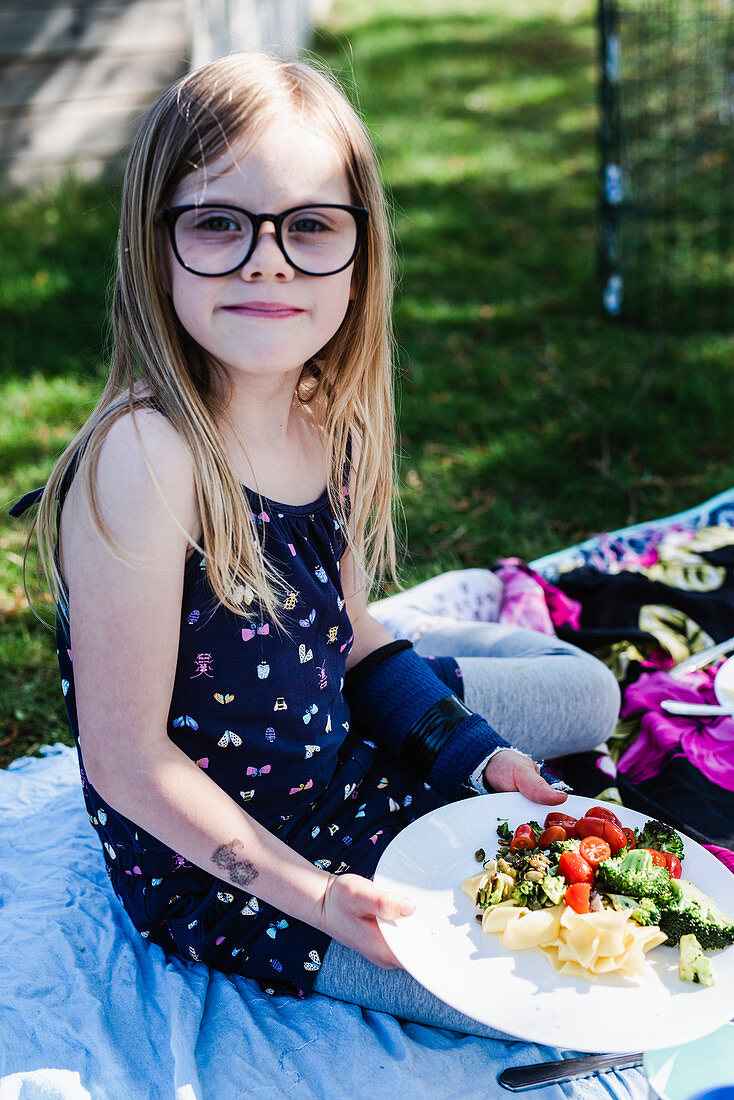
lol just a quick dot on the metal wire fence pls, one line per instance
(667, 160)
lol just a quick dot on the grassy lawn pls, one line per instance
(528, 420)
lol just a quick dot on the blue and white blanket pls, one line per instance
(90, 1011)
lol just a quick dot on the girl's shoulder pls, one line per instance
(140, 463)
(146, 435)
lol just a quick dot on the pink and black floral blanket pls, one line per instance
(643, 599)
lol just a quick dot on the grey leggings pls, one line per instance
(544, 696)
(347, 976)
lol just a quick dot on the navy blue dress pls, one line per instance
(261, 710)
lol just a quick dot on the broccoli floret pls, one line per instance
(642, 910)
(688, 911)
(658, 835)
(634, 875)
(693, 966)
(554, 888)
(523, 893)
(559, 846)
(646, 912)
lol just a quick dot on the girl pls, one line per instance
(205, 630)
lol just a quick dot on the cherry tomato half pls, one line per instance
(607, 830)
(562, 820)
(594, 850)
(658, 858)
(673, 864)
(551, 834)
(577, 897)
(523, 839)
(574, 868)
(604, 813)
(631, 838)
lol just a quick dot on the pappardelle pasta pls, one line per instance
(582, 945)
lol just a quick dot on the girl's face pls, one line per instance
(266, 318)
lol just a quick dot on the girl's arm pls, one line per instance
(124, 619)
(508, 770)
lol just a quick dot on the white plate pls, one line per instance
(724, 683)
(443, 947)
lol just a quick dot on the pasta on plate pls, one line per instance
(582, 945)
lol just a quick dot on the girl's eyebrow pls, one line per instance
(208, 201)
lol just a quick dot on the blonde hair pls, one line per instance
(196, 120)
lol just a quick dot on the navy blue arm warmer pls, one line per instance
(398, 698)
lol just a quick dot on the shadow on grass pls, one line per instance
(527, 417)
(32, 708)
(58, 247)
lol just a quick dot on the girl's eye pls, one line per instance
(308, 225)
(218, 222)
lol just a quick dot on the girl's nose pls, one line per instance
(267, 260)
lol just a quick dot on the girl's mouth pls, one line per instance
(263, 309)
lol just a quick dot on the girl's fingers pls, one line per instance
(534, 787)
(366, 900)
(373, 902)
(393, 906)
(511, 772)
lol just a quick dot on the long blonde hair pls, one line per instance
(196, 120)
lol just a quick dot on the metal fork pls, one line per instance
(700, 660)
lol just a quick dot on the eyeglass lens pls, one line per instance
(214, 240)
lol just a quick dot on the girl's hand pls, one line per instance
(349, 909)
(511, 771)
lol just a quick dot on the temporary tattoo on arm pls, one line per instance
(240, 870)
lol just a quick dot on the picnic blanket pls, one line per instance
(90, 1011)
(644, 599)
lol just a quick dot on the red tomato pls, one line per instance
(604, 813)
(658, 858)
(562, 820)
(673, 864)
(523, 840)
(607, 830)
(594, 850)
(631, 838)
(551, 834)
(574, 868)
(577, 897)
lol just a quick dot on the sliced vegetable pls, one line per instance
(564, 820)
(594, 850)
(631, 838)
(577, 897)
(601, 827)
(574, 868)
(523, 839)
(550, 835)
(658, 858)
(673, 864)
(604, 814)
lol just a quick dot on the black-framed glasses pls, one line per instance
(214, 239)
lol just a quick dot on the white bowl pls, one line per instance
(724, 683)
(680, 1073)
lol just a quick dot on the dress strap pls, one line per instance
(27, 502)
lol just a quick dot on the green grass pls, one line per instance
(528, 420)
